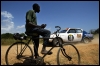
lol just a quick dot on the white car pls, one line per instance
(72, 35)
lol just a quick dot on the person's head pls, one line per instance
(36, 7)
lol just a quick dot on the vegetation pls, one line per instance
(7, 38)
(96, 31)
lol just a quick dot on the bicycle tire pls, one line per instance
(11, 46)
(73, 47)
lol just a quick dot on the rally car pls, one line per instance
(72, 35)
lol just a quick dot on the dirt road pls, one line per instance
(89, 53)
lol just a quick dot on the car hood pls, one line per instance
(54, 35)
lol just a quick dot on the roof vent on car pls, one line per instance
(67, 28)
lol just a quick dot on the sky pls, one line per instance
(66, 14)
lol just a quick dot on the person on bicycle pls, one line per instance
(31, 27)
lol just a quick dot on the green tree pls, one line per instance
(94, 31)
(97, 31)
(6, 36)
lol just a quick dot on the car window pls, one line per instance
(62, 31)
(78, 31)
(72, 31)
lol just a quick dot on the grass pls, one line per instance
(11, 41)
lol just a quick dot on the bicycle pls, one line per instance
(22, 56)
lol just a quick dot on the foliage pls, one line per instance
(7, 38)
(95, 31)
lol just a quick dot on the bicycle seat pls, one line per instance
(31, 34)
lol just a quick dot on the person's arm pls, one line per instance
(30, 23)
(29, 18)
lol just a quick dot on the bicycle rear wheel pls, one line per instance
(68, 55)
(16, 55)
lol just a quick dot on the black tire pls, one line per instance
(86, 40)
(75, 56)
(54, 42)
(12, 58)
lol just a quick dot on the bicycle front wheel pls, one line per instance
(68, 55)
(18, 53)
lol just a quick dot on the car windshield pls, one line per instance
(62, 31)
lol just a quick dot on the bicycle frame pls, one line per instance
(39, 60)
(58, 43)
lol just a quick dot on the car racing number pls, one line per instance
(70, 37)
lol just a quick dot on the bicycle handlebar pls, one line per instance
(58, 29)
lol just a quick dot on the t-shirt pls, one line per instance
(30, 17)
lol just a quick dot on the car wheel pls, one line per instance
(86, 40)
(55, 41)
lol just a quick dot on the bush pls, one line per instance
(96, 31)
(6, 36)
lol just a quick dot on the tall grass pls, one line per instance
(11, 41)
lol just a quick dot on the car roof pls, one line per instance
(71, 28)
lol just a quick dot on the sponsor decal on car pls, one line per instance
(78, 35)
(70, 37)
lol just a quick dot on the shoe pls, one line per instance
(39, 60)
(35, 60)
(45, 52)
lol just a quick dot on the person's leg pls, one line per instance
(44, 33)
(36, 45)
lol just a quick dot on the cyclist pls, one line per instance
(31, 27)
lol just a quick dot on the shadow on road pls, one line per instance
(31, 62)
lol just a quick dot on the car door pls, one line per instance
(78, 35)
(71, 35)
(63, 35)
